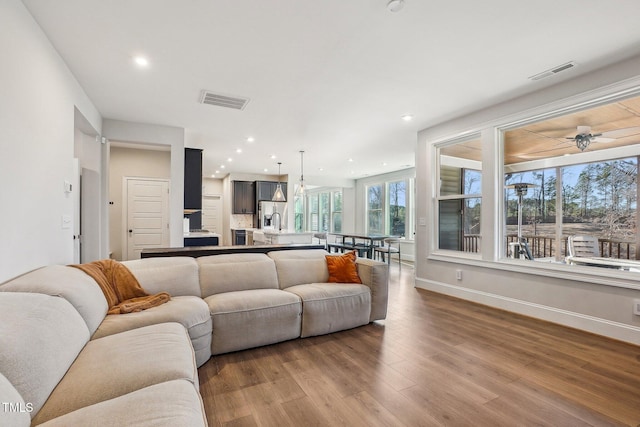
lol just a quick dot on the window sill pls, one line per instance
(593, 275)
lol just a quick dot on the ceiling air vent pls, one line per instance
(553, 71)
(227, 101)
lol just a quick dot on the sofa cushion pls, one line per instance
(176, 275)
(246, 319)
(191, 312)
(14, 411)
(342, 268)
(300, 266)
(168, 404)
(118, 364)
(236, 272)
(70, 283)
(331, 307)
(40, 336)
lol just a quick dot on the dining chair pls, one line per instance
(583, 246)
(391, 245)
(322, 238)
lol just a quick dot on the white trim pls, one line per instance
(616, 330)
(607, 277)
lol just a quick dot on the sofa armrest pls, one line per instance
(375, 275)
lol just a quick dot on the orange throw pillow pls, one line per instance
(342, 268)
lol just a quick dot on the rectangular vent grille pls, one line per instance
(227, 101)
(553, 71)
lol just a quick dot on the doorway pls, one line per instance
(145, 215)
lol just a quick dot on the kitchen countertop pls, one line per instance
(283, 232)
(201, 234)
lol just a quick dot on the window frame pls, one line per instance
(463, 164)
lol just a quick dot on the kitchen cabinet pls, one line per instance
(193, 185)
(244, 197)
(239, 237)
(266, 189)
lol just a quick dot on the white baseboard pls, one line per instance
(595, 325)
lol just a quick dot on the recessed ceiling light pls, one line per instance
(238, 150)
(222, 166)
(217, 171)
(229, 159)
(213, 175)
(321, 169)
(265, 170)
(395, 5)
(407, 117)
(350, 160)
(273, 156)
(250, 139)
(141, 61)
(384, 163)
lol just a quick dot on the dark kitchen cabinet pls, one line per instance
(193, 185)
(266, 189)
(239, 237)
(244, 197)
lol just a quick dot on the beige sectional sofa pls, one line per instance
(64, 361)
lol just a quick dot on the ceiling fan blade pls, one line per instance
(602, 139)
(622, 133)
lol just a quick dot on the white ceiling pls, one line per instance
(331, 77)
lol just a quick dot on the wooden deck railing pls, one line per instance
(544, 246)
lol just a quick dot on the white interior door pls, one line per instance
(90, 216)
(147, 215)
(75, 194)
(212, 213)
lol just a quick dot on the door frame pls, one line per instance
(125, 209)
(221, 199)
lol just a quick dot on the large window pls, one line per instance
(336, 212)
(324, 211)
(597, 199)
(375, 220)
(314, 212)
(397, 212)
(459, 196)
(581, 171)
(388, 207)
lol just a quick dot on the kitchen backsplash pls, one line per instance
(241, 221)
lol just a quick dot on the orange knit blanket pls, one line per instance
(120, 287)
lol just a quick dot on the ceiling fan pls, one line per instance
(584, 137)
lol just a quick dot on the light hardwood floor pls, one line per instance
(434, 361)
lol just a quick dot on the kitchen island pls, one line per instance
(267, 236)
(201, 238)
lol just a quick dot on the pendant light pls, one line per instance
(300, 190)
(278, 195)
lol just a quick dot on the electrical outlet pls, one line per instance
(459, 274)
(636, 307)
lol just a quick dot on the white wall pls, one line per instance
(130, 162)
(38, 95)
(589, 300)
(173, 137)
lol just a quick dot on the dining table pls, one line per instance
(363, 243)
